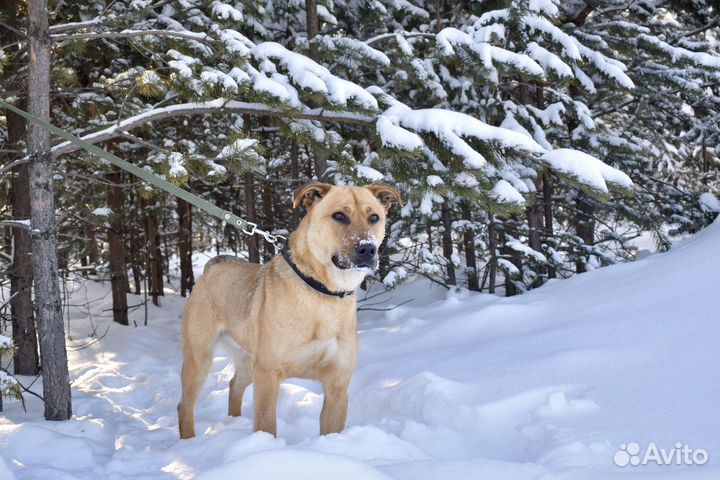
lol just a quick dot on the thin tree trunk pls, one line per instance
(152, 248)
(187, 278)
(534, 216)
(548, 215)
(295, 177)
(492, 245)
(93, 251)
(25, 359)
(56, 384)
(313, 26)
(251, 216)
(136, 257)
(584, 227)
(116, 244)
(447, 244)
(512, 256)
(469, 245)
(269, 218)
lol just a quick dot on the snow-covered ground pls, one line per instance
(547, 385)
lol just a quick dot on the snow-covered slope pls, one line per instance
(546, 385)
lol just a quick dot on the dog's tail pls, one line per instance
(221, 259)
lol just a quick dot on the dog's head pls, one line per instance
(343, 228)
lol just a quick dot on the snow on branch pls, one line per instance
(679, 53)
(211, 106)
(587, 170)
(450, 38)
(312, 76)
(197, 36)
(63, 27)
(24, 224)
(451, 128)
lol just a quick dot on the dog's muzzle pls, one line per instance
(365, 255)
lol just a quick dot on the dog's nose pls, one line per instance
(365, 254)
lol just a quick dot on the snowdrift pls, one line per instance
(548, 385)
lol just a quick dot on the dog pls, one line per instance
(294, 316)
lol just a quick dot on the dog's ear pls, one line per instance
(310, 193)
(385, 194)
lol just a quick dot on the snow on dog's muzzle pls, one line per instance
(365, 255)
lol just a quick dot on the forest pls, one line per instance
(532, 140)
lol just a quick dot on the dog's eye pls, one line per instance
(373, 218)
(339, 217)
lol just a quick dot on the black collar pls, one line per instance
(311, 282)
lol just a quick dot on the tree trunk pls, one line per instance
(152, 249)
(136, 249)
(313, 26)
(187, 278)
(469, 245)
(447, 244)
(534, 216)
(584, 227)
(295, 177)
(269, 218)
(93, 251)
(492, 245)
(548, 215)
(25, 359)
(511, 255)
(251, 216)
(117, 255)
(48, 306)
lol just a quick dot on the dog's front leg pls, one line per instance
(335, 405)
(266, 387)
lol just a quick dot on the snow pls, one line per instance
(394, 136)
(518, 246)
(611, 68)
(548, 385)
(677, 53)
(450, 127)
(709, 202)
(434, 180)
(236, 42)
(176, 162)
(6, 383)
(549, 61)
(102, 212)
(239, 146)
(226, 11)
(586, 168)
(314, 77)
(504, 192)
(357, 46)
(543, 25)
(369, 173)
(5, 342)
(448, 37)
(543, 6)
(212, 76)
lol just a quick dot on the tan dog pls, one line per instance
(294, 316)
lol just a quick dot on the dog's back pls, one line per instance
(222, 259)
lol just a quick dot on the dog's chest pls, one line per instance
(326, 344)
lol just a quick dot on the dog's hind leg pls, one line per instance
(242, 378)
(198, 346)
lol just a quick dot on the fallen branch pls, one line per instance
(69, 37)
(212, 106)
(12, 165)
(25, 224)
